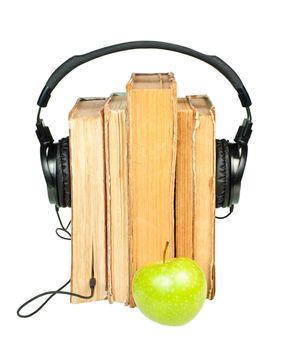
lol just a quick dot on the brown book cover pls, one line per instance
(152, 141)
(87, 171)
(117, 198)
(184, 199)
(195, 184)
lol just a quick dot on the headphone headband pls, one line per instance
(76, 61)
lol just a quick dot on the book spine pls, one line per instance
(203, 164)
(152, 160)
(88, 205)
(184, 198)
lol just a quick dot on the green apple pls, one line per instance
(170, 292)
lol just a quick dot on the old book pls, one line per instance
(87, 170)
(195, 184)
(117, 198)
(184, 199)
(152, 141)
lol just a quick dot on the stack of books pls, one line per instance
(142, 173)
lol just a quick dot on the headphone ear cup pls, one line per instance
(222, 173)
(63, 173)
(49, 167)
(237, 166)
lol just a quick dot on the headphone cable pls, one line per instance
(62, 228)
(226, 216)
(92, 281)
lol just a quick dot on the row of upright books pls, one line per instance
(142, 169)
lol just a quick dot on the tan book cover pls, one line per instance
(151, 100)
(117, 198)
(195, 184)
(184, 199)
(87, 171)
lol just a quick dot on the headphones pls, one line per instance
(231, 157)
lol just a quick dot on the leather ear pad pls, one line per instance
(48, 161)
(63, 173)
(222, 174)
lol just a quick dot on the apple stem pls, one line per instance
(166, 245)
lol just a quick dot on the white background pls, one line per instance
(36, 37)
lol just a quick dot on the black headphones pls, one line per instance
(230, 157)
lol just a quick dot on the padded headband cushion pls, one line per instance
(222, 174)
(63, 173)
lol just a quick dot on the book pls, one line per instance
(115, 122)
(184, 199)
(87, 171)
(195, 184)
(152, 122)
